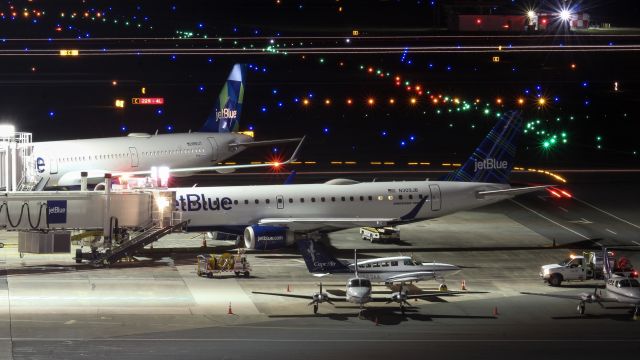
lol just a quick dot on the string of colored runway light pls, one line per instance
(326, 50)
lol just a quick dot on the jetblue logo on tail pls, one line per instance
(226, 114)
(490, 164)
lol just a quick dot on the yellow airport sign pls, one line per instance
(69, 52)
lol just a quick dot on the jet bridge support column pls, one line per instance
(107, 231)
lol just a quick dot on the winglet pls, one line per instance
(414, 212)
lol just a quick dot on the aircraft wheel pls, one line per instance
(246, 274)
(581, 308)
(443, 287)
(237, 273)
(315, 308)
(402, 310)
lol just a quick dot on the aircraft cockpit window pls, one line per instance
(365, 282)
(634, 283)
(624, 283)
(408, 262)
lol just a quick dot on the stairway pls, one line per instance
(128, 248)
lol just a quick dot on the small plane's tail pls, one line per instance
(492, 161)
(318, 259)
(225, 116)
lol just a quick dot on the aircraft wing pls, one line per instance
(579, 297)
(510, 192)
(297, 296)
(293, 157)
(415, 276)
(263, 143)
(339, 222)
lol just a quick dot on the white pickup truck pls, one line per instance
(583, 267)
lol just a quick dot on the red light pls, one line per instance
(370, 69)
(566, 193)
(478, 21)
(554, 193)
(544, 21)
(147, 101)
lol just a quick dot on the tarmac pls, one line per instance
(157, 307)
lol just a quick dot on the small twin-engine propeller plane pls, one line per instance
(358, 291)
(388, 270)
(618, 289)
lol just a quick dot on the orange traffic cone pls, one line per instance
(495, 311)
(230, 312)
(463, 285)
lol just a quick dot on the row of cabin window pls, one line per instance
(123, 155)
(378, 264)
(333, 199)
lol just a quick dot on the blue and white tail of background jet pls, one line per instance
(318, 259)
(493, 160)
(225, 116)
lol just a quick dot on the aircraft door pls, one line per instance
(436, 200)
(214, 148)
(134, 156)
(280, 201)
(53, 167)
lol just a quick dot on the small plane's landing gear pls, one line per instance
(361, 313)
(315, 308)
(636, 313)
(402, 309)
(581, 307)
(443, 287)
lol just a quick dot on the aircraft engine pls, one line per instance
(267, 237)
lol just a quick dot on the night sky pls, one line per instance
(359, 106)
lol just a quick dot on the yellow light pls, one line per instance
(327, 101)
(248, 133)
(370, 101)
(435, 101)
(456, 100)
(413, 101)
(143, 90)
(542, 101)
(114, 83)
(69, 52)
(349, 101)
(392, 101)
(520, 101)
(499, 101)
(119, 103)
(305, 102)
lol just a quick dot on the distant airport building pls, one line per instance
(497, 23)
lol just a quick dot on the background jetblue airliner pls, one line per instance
(59, 163)
(273, 216)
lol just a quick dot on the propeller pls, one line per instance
(400, 297)
(593, 298)
(320, 297)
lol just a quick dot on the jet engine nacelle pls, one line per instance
(267, 237)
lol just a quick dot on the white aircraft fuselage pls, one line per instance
(309, 207)
(402, 268)
(63, 161)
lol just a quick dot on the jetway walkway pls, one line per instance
(45, 220)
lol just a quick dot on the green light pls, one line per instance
(564, 134)
(598, 138)
(599, 146)
(486, 111)
(406, 83)
(321, 60)
(545, 144)
(553, 141)
(361, 67)
(564, 141)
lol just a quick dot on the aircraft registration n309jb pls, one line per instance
(273, 216)
(60, 163)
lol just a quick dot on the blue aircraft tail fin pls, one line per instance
(318, 259)
(492, 161)
(225, 116)
(291, 178)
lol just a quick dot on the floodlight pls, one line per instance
(565, 15)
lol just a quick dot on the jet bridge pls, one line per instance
(47, 218)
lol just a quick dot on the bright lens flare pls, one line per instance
(565, 15)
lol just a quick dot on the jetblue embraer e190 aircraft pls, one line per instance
(60, 163)
(273, 216)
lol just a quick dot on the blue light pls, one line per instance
(201, 88)
(526, 91)
(587, 102)
(169, 128)
(403, 143)
(585, 84)
(123, 128)
(538, 87)
(296, 100)
(384, 133)
(210, 60)
(200, 25)
(430, 66)
(280, 104)
(173, 7)
(263, 109)
(275, 149)
(159, 112)
(412, 138)
(251, 127)
(52, 114)
(325, 130)
(173, 57)
(310, 95)
(274, 91)
(556, 99)
(449, 68)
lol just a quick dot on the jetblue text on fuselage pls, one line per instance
(490, 163)
(57, 210)
(226, 114)
(198, 202)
